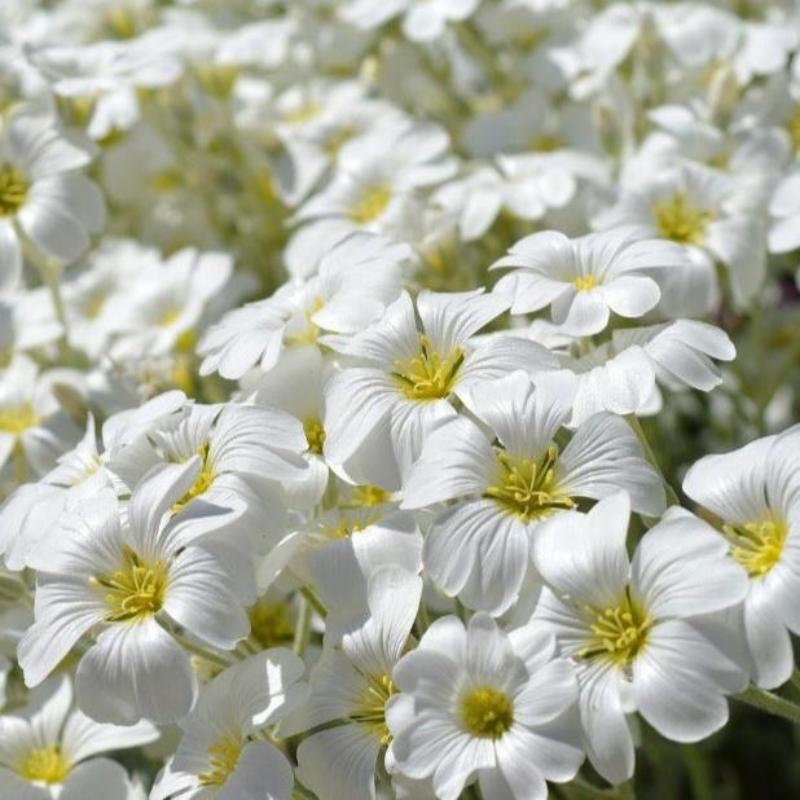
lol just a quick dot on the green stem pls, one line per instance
(583, 790)
(202, 652)
(770, 703)
(633, 421)
(795, 679)
(314, 601)
(49, 271)
(302, 632)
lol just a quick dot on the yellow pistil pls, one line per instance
(18, 420)
(527, 487)
(202, 483)
(679, 220)
(583, 283)
(371, 204)
(223, 756)
(618, 633)
(13, 190)
(428, 375)
(136, 590)
(486, 712)
(371, 708)
(315, 435)
(757, 546)
(45, 765)
(270, 624)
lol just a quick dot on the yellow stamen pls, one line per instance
(371, 708)
(679, 220)
(757, 546)
(527, 487)
(45, 764)
(135, 591)
(202, 483)
(315, 435)
(619, 633)
(583, 283)
(371, 204)
(429, 375)
(367, 495)
(18, 420)
(223, 756)
(308, 334)
(13, 190)
(270, 624)
(486, 712)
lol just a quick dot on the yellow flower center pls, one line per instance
(367, 495)
(545, 143)
(17, 420)
(304, 113)
(169, 317)
(757, 546)
(307, 332)
(527, 487)
(223, 756)
(350, 524)
(583, 283)
(679, 220)
(202, 482)
(371, 707)
(136, 590)
(315, 435)
(45, 764)
(618, 633)
(486, 712)
(428, 375)
(371, 204)
(335, 141)
(270, 624)
(13, 190)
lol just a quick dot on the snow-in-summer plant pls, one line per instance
(399, 399)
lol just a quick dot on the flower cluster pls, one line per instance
(360, 362)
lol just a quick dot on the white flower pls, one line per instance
(585, 279)
(352, 683)
(48, 749)
(422, 22)
(411, 376)
(43, 195)
(240, 448)
(755, 492)
(375, 186)
(636, 630)
(481, 703)
(164, 306)
(221, 753)
(478, 547)
(121, 576)
(34, 430)
(357, 278)
(707, 213)
(784, 208)
(622, 376)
